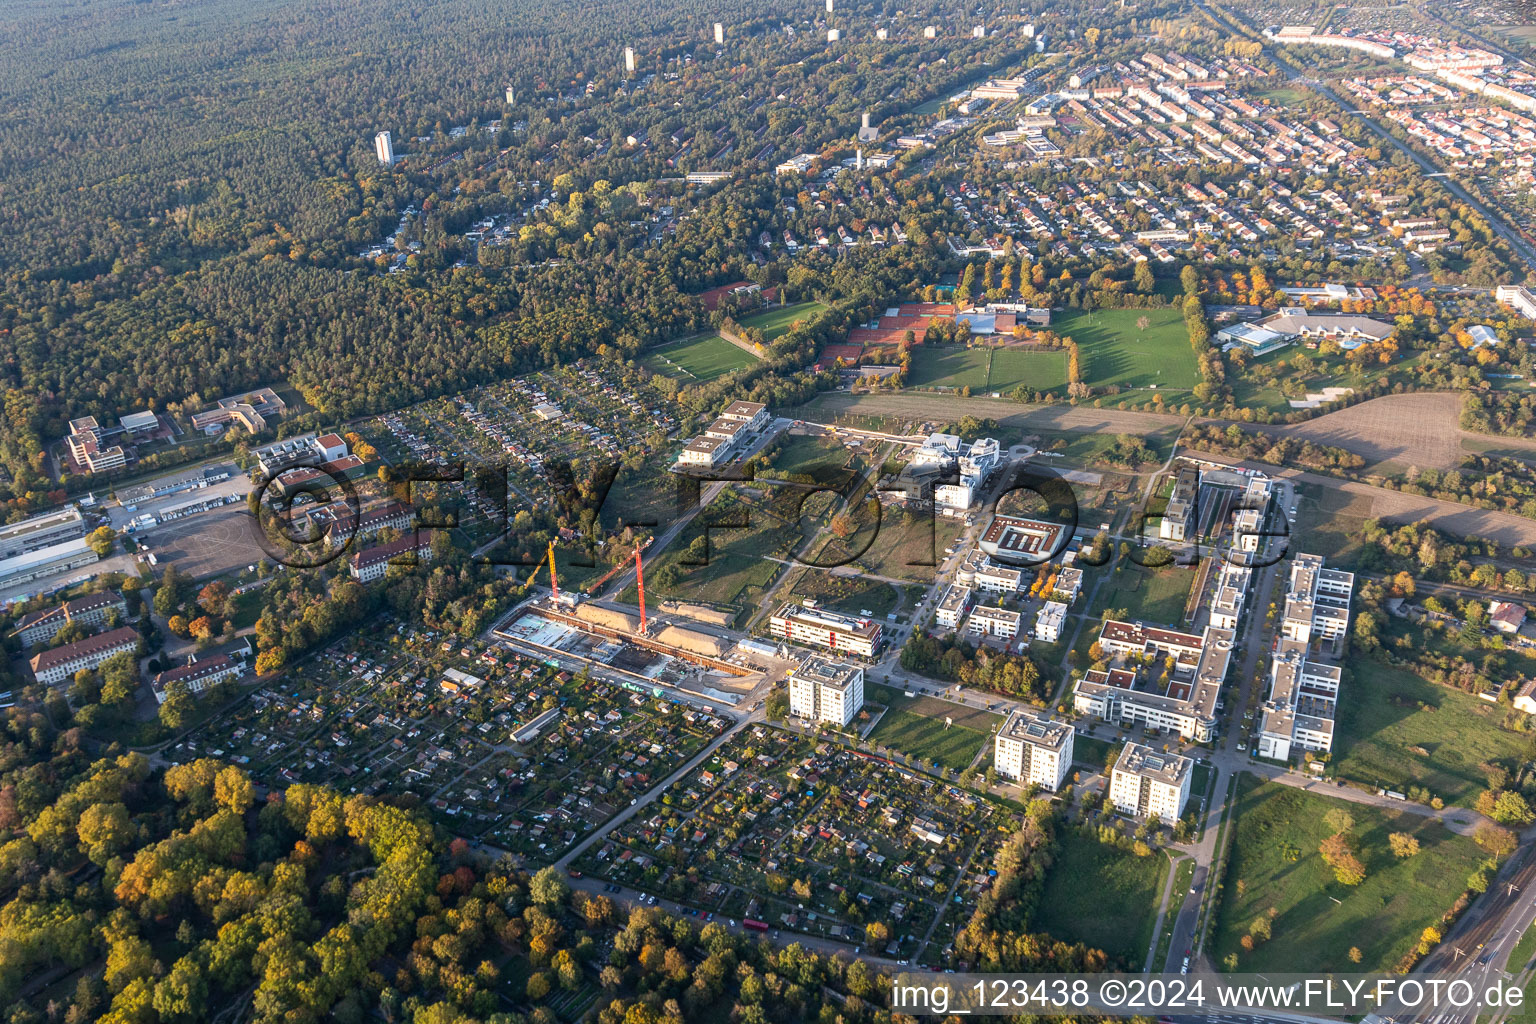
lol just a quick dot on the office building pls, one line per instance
(41, 531)
(88, 448)
(1147, 783)
(1032, 747)
(826, 691)
(814, 627)
(1019, 540)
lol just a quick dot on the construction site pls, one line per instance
(685, 648)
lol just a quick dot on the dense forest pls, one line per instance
(136, 896)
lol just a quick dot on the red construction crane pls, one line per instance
(640, 582)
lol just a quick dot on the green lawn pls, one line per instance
(1103, 897)
(1155, 596)
(805, 453)
(1036, 369)
(700, 359)
(1115, 351)
(1386, 737)
(774, 323)
(1274, 857)
(949, 366)
(915, 725)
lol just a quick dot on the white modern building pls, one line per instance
(826, 691)
(1317, 601)
(953, 606)
(986, 620)
(725, 435)
(1032, 747)
(384, 149)
(1147, 783)
(1048, 624)
(815, 627)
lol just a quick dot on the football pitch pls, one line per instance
(1115, 350)
(700, 359)
(986, 369)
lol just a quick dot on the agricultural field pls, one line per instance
(1277, 872)
(1116, 351)
(1088, 876)
(916, 726)
(698, 359)
(1398, 731)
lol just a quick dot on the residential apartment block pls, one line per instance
(1304, 690)
(953, 606)
(722, 437)
(60, 664)
(1147, 783)
(91, 610)
(826, 691)
(197, 674)
(370, 564)
(986, 620)
(1185, 703)
(1049, 622)
(1034, 748)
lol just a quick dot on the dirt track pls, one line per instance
(948, 408)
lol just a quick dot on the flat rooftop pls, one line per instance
(1036, 728)
(1169, 769)
(835, 674)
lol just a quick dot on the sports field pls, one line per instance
(699, 359)
(776, 322)
(1116, 351)
(986, 370)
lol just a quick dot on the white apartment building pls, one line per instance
(1517, 298)
(1147, 783)
(993, 578)
(826, 691)
(814, 627)
(1231, 593)
(1303, 698)
(384, 149)
(1049, 622)
(1317, 601)
(722, 437)
(1034, 748)
(1185, 704)
(986, 620)
(953, 606)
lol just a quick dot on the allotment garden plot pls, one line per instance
(507, 749)
(811, 837)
